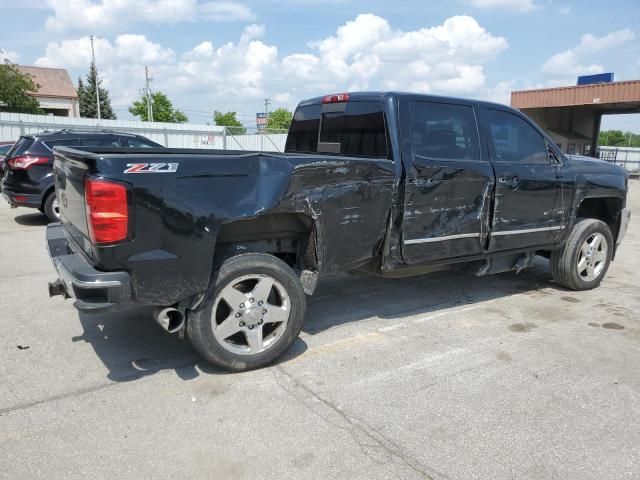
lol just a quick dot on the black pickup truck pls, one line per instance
(226, 244)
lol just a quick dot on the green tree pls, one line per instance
(229, 120)
(279, 119)
(88, 100)
(16, 90)
(163, 110)
(618, 138)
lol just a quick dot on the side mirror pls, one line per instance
(552, 156)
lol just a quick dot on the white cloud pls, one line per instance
(108, 15)
(365, 53)
(11, 56)
(515, 5)
(571, 62)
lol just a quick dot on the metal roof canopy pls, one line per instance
(614, 97)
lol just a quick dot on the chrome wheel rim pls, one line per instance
(593, 257)
(55, 206)
(250, 314)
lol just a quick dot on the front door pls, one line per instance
(449, 181)
(528, 195)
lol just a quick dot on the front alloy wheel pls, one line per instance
(582, 262)
(593, 257)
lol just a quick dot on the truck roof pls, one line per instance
(378, 96)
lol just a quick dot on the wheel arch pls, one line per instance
(48, 191)
(604, 208)
(292, 237)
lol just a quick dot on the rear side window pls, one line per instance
(303, 134)
(60, 143)
(359, 130)
(100, 142)
(137, 143)
(514, 140)
(444, 131)
(352, 128)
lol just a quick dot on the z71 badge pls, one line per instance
(151, 168)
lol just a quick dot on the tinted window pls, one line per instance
(20, 146)
(60, 143)
(358, 130)
(514, 140)
(100, 142)
(137, 143)
(4, 149)
(443, 130)
(303, 134)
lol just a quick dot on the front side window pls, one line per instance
(444, 131)
(514, 140)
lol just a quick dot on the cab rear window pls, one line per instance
(351, 128)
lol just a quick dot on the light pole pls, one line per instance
(93, 60)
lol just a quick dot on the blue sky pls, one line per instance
(230, 54)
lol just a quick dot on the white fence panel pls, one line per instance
(176, 135)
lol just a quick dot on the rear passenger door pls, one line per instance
(449, 180)
(528, 199)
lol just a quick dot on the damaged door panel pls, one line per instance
(449, 182)
(528, 207)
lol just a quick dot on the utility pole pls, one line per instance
(147, 90)
(267, 102)
(93, 60)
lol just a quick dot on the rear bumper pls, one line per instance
(17, 199)
(93, 290)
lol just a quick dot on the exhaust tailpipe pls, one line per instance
(169, 318)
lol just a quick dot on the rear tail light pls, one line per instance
(336, 98)
(26, 161)
(107, 210)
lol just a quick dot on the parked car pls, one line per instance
(4, 148)
(28, 179)
(226, 244)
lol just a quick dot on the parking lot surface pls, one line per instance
(440, 376)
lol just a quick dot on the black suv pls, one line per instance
(28, 172)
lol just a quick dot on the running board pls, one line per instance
(506, 263)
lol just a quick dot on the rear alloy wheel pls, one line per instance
(582, 262)
(51, 208)
(252, 314)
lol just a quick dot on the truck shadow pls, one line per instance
(348, 298)
(131, 345)
(31, 219)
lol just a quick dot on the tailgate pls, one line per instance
(70, 171)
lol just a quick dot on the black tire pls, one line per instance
(564, 261)
(48, 208)
(199, 324)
